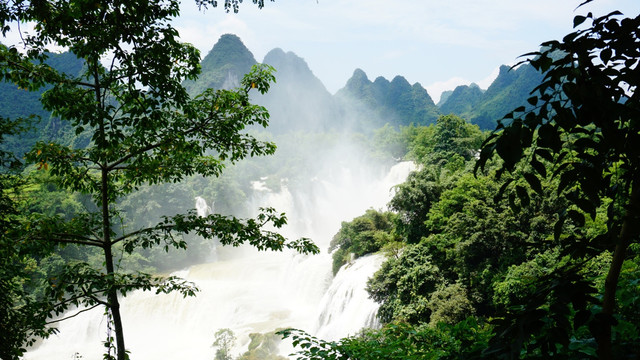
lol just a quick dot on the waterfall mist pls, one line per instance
(257, 292)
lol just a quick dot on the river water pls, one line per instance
(249, 291)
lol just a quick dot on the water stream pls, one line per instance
(250, 291)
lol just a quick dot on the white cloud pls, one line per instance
(436, 89)
(486, 82)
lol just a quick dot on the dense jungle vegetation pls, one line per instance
(524, 246)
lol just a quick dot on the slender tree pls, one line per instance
(224, 341)
(144, 128)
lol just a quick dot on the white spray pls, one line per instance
(250, 291)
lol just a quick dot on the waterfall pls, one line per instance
(250, 291)
(346, 307)
(202, 208)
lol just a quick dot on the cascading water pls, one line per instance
(201, 207)
(250, 291)
(346, 307)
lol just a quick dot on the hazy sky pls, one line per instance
(440, 44)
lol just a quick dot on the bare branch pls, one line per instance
(74, 315)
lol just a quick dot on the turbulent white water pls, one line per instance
(201, 207)
(248, 291)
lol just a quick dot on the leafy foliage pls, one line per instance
(144, 128)
(403, 285)
(580, 132)
(21, 318)
(363, 235)
(464, 340)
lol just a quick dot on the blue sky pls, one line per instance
(440, 44)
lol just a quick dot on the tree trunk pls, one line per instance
(603, 338)
(112, 292)
(114, 307)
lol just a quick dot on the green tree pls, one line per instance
(263, 346)
(224, 341)
(403, 286)
(363, 235)
(412, 202)
(438, 143)
(583, 130)
(145, 129)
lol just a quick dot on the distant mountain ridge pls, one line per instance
(299, 101)
(463, 99)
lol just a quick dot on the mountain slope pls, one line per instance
(224, 66)
(464, 99)
(298, 101)
(508, 91)
(19, 103)
(379, 102)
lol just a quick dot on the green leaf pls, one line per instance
(605, 55)
(502, 189)
(533, 181)
(549, 137)
(577, 217)
(582, 203)
(523, 195)
(512, 203)
(579, 19)
(539, 167)
(544, 153)
(508, 146)
(558, 227)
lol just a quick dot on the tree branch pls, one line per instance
(167, 140)
(138, 232)
(74, 315)
(79, 240)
